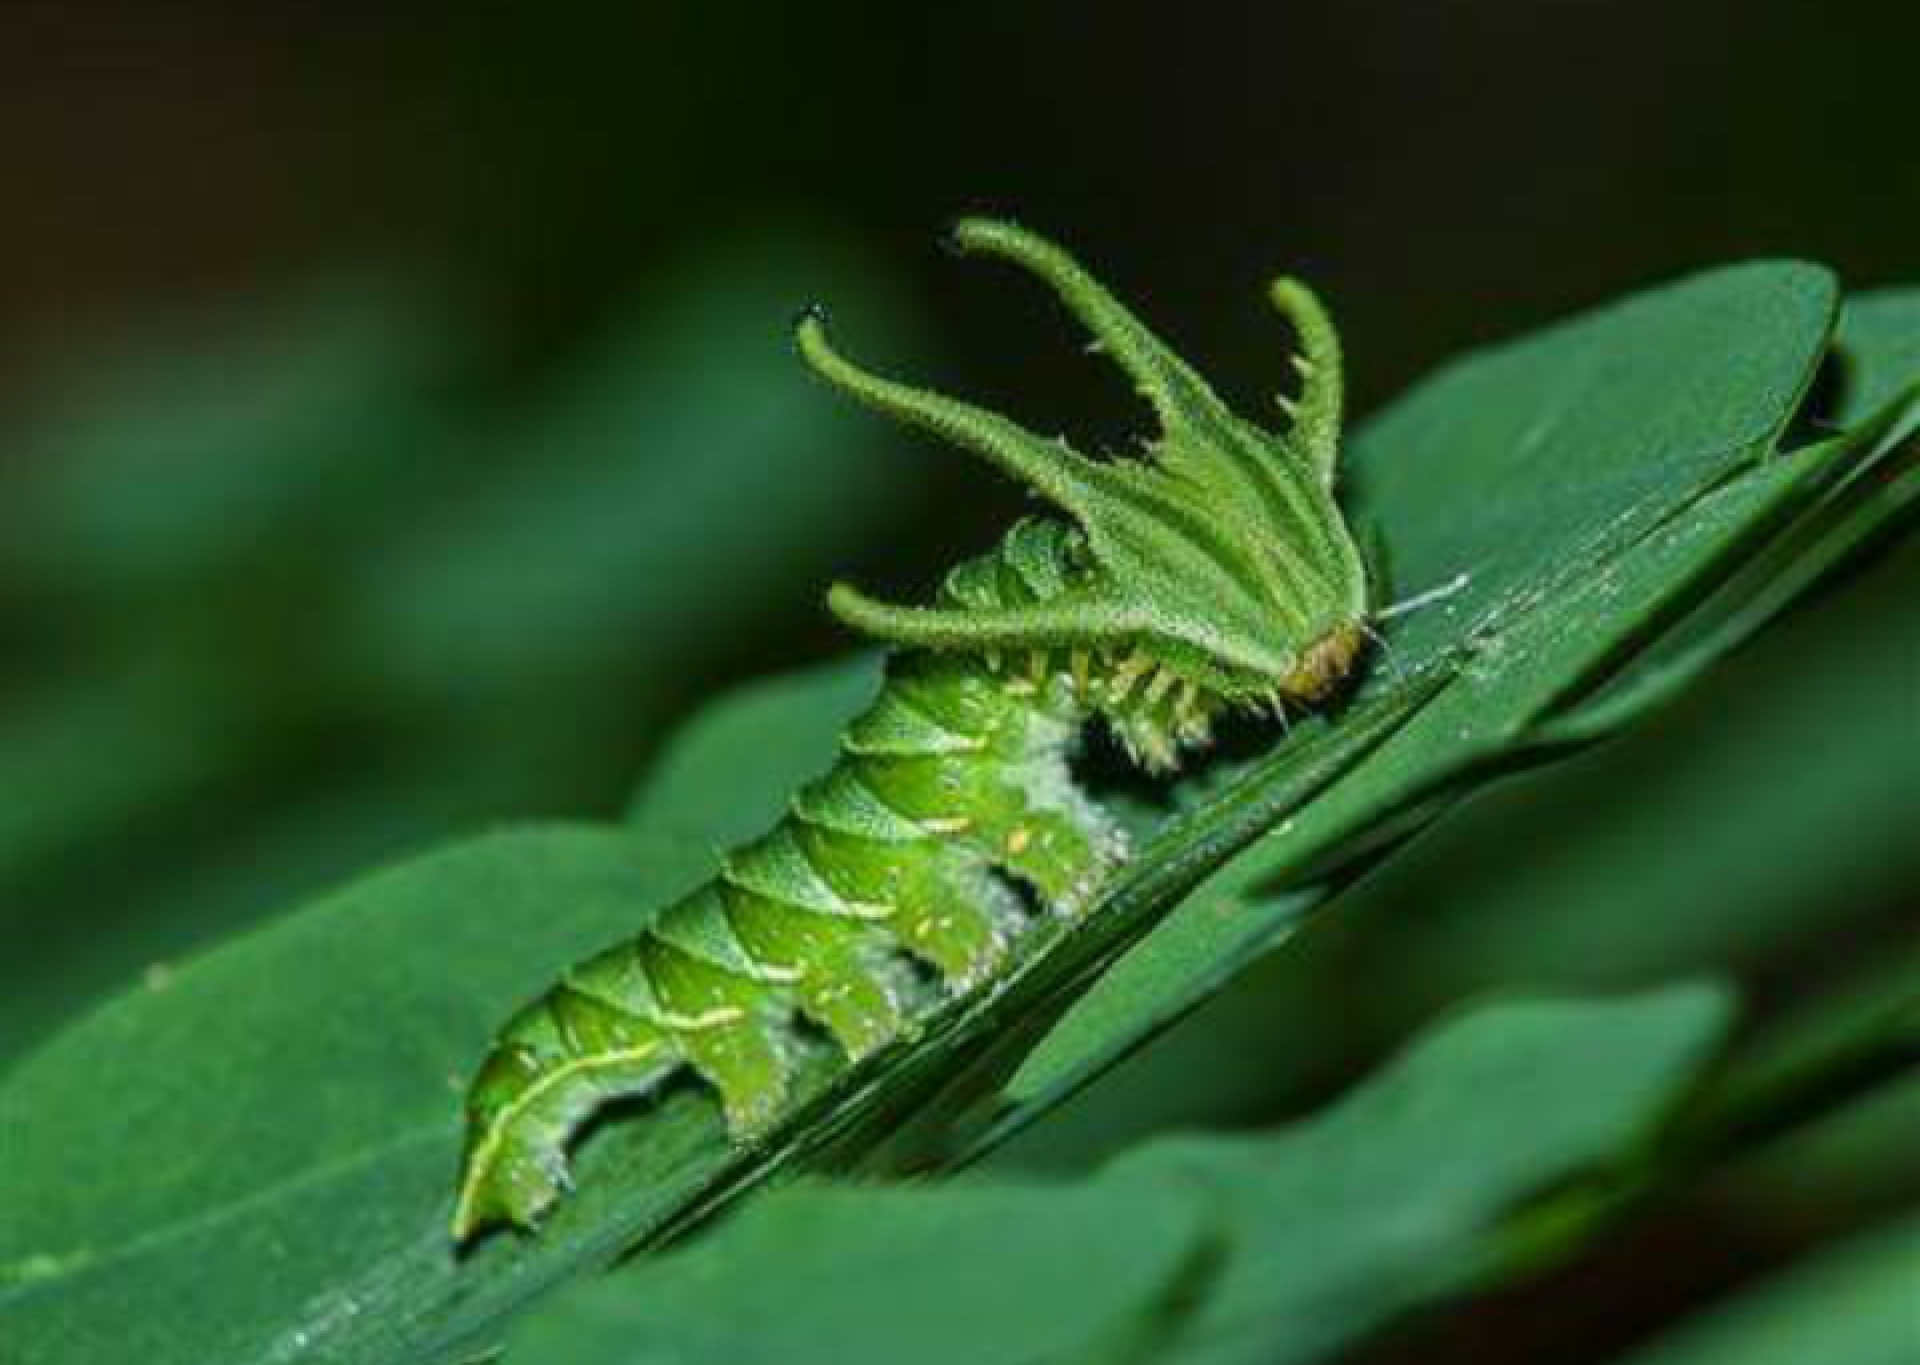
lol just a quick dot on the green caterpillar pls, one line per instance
(1214, 575)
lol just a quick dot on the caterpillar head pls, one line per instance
(1220, 556)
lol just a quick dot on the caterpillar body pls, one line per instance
(1215, 575)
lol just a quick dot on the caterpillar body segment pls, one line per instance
(892, 871)
(1156, 595)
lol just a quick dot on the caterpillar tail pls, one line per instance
(891, 882)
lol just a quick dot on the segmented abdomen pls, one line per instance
(892, 874)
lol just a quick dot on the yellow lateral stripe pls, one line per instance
(483, 1156)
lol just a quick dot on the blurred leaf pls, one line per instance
(92, 754)
(1386, 1200)
(219, 439)
(1852, 1163)
(963, 1275)
(312, 1165)
(538, 554)
(1854, 1306)
(1851, 1040)
(784, 730)
(688, 467)
(1880, 337)
(1853, 1160)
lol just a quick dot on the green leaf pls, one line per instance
(1854, 1306)
(297, 1097)
(1524, 465)
(1610, 428)
(964, 1275)
(1198, 948)
(295, 1093)
(364, 1013)
(292, 1105)
(65, 943)
(1386, 1200)
(1313, 1234)
(1661, 854)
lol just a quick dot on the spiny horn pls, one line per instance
(1316, 413)
(1177, 394)
(1063, 621)
(1049, 467)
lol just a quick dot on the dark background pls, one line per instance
(536, 238)
(1448, 172)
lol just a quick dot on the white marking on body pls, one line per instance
(696, 1023)
(1426, 599)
